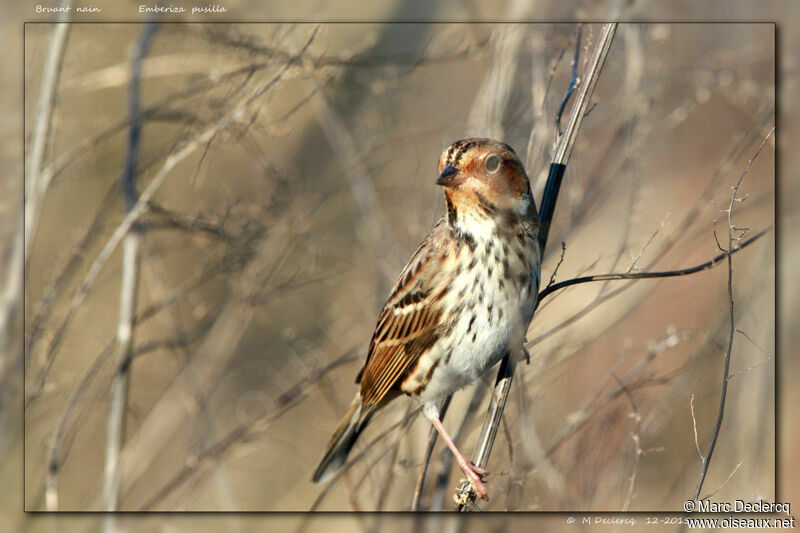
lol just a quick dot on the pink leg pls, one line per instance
(472, 472)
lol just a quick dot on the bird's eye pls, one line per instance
(492, 163)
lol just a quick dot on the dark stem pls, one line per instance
(128, 176)
(573, 82)
(732, 331)
(643, 275)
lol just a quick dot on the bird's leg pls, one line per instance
(473, 472)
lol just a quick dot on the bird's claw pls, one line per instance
(480, 471)
(475, 475)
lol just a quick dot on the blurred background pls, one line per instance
(302, 182)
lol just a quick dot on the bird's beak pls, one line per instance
(449, 176)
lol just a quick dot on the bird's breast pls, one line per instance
(487, 309)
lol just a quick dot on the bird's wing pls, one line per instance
(411, 320)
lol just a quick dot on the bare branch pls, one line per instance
(118, 397)
(573, 84)
(711, 495)
(555, 270)
(694, 427)
(732, 330)
(646, 275)
(636, 437)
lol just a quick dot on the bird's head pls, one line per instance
(484, 176)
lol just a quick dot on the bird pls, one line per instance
(464, 300)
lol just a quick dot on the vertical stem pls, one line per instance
(505, 374)
(35, 186)
(118, 401)
(121, 381)
(501, 387)
(35, 182)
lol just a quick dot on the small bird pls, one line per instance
(462, 302)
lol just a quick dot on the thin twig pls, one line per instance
(636, 437)
(487, 112)
(205, 275)
(491, 424)
(659, 274)
(746, 336)
(377, 229)
(220, 340)
(555, 270)
(694, 427)
(540, 89)
(711, 495)
(71, 407)
(118, 397)
(732, 331)
(573, 84)
(361, 60)
(641, 252)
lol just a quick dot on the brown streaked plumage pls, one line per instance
(464, 299)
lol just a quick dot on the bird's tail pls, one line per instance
(342, 442)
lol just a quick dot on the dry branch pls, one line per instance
(711, 263)
(706, 459)
(118, 397)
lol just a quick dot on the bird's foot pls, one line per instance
(475, 474)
